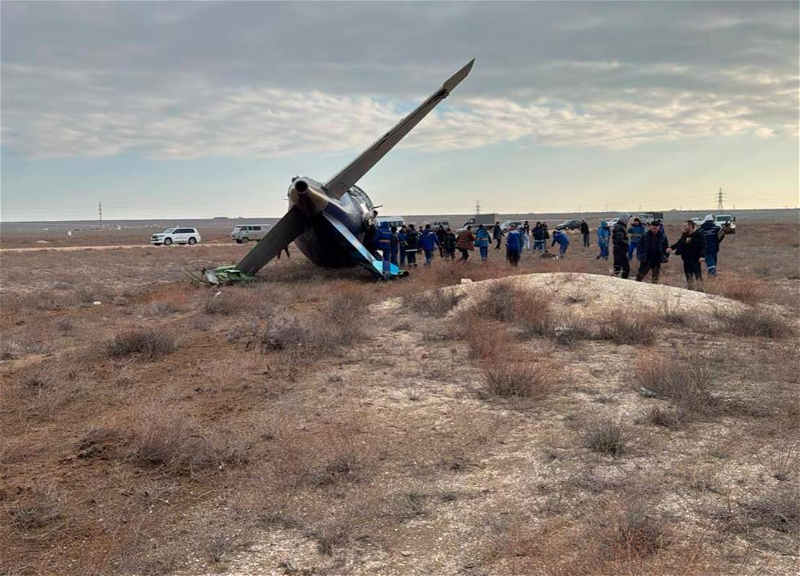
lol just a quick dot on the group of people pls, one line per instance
(648, 243)
(652, 249)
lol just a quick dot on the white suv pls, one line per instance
(176, 236)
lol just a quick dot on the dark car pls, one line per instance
(569, 225)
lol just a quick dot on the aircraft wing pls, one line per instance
(279, 237)
(351, 173)
(359, 253)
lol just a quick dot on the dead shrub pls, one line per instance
(755, 322)
(436, 303)
(605, 438)
(786, 462)
(569, 329)
(534, 314)
(222, 305)
(626, 327)
(747, 290)
(145, 343)
(487, 340)
(499, 303)
(686, 382)
(342, 457)
(779, 510)
(517, 380)
(635, 532)
(35, 511)
(166, 439)
(660, 417)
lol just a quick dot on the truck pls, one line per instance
(488, 220)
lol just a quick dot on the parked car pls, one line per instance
(505, 225)
(612, 222)
(246, 232)
(647, 217)
(443, 223)
(178, 235)
(569, 225)
(392, 220)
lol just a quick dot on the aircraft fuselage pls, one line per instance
(320, 243)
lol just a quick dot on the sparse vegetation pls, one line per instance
(748, 322)
(359, 428)
(169, 440)
(436, 303)
(145, 343)
(687, 383)
(605, 438)
(517, 380)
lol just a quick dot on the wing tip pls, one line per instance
(456, 78)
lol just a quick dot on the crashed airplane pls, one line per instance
(328, 221)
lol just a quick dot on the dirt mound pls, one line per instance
(592, 295)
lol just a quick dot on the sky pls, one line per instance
(199, 109)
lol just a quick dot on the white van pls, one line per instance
(392, 220)
(246, 232)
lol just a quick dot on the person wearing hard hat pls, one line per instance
(713, 235)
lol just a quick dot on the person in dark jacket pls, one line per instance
(465, 243)
(497, 235)
(546, 235)
(383, 242)
(449, 244)
(619, 242)
(441, 233)
(538, 237)
(713, 236)
(585, 233)
(401, 236)
(691, 248)
(651, 250)
(412, 245)
(395, 246)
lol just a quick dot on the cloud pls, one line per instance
(259, 80)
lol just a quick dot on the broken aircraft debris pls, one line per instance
(327, 221)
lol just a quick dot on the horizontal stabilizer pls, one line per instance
(359, 252)
(351, 173)
(279, 237)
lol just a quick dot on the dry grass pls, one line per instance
(173, 442)
(435, 304)
(628, 326)
(605, 437)
(35, 513)
(518, 380)
(748, 290)
(147, 344)
(749, 322)
(687, 382)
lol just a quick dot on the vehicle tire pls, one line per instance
(238, 240)
(167, 241)
(192, 241)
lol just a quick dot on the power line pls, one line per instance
(719, 201)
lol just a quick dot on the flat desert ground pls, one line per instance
(471, 419)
